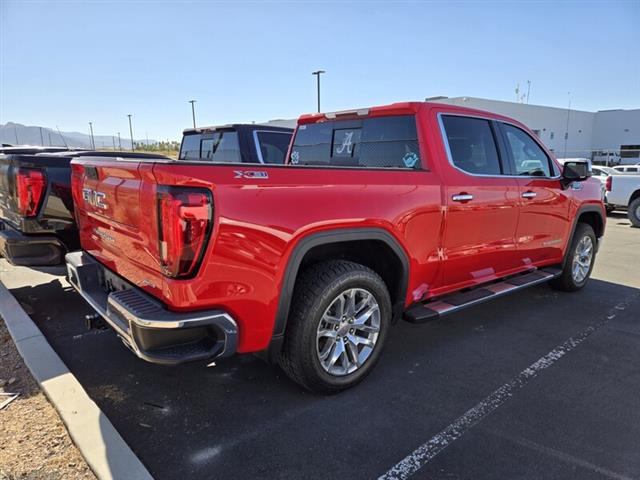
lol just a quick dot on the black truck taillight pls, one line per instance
(30, 188)
(607, 183)
(185, 218)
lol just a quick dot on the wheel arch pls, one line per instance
(591, 215)
(326, 244)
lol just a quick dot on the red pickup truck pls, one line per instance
(410, 210)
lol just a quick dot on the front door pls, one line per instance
(544, 224)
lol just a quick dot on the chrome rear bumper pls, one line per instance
(152, 332)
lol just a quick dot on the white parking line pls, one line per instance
(427, 451)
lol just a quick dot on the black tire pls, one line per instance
(566, 281)
(633, 212)
(609, 208)
(316, 289)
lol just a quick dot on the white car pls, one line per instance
(623, 191)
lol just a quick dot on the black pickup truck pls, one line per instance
(37, 223)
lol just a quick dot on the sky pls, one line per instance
(67, 63)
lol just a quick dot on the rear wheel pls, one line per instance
(633, 212)
(337, 326)
(580, 260)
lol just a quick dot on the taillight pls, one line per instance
(30, 187)
(607, 183)
(185, 217)
(77, 177)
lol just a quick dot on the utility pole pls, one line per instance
(193, 112)
(113, 140)
(50, 144)
(131, 132)
(317, 73)
(566, 132)
(41, 137)
(528, 90)
(93, 142)
(119, 142)
(15, 131)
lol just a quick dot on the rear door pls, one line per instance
(481, 204)
(544, 221)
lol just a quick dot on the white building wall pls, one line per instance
(613, 128)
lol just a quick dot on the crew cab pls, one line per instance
(236, 143)
(623, 191)
(410, 210)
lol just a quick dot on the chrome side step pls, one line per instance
(425, 312)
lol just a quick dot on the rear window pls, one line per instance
(380, 142)
(272, 146)
(471, 145)
(217, 147)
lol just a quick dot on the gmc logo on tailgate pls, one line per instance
(94, 198)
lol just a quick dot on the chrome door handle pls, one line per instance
(529, 195)
(462, 197)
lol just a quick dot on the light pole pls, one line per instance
(317, 73)
(131, 132)
(93, 142)
(193, 111)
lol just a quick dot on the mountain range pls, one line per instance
(18, 134)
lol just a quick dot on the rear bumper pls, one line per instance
(30, 250)
(152, 332)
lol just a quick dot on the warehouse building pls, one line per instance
(606, 136)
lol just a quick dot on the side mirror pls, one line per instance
(574, 172)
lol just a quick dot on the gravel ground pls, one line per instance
(34, 444)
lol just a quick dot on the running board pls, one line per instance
(425, 312)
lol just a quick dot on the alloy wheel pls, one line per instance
(348, 331)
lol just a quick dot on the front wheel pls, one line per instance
(337, 326)
(579, 262)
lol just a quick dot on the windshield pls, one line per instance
(216, 147)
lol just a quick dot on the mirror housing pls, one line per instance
(575, 171)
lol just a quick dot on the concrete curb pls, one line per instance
(104, 450)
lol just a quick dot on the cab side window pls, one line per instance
(472, 145)
(528, 158)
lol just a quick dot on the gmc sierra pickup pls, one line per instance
(410, 210)
(37, 225)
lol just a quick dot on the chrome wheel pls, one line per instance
(582, 259)
(348, 332)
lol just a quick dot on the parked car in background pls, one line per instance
(623, 191)
(237, 143)
(624, 169)
(601, 173)
(409, 210)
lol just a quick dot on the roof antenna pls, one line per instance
(62, 136)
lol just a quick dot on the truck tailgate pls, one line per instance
(115, 204)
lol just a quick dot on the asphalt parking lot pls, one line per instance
(539, 384)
